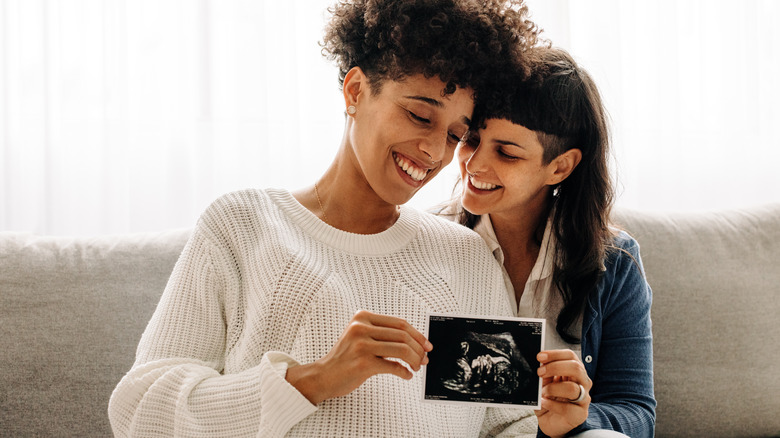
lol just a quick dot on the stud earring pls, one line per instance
(351, 110)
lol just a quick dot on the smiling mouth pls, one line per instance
(407, 166)
(482, 185)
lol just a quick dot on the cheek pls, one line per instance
(462, 170)
(523, 182)
(463, 155)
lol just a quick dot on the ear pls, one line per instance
(355, 84)
(563, 165)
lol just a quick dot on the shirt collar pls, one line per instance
(484, 228)
(543, 267)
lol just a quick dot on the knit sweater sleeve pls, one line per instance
(177, 386)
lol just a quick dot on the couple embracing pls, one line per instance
(300, 313)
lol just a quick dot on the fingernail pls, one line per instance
(541, 357)
(428, 346)
(541, 371)
(425, 360)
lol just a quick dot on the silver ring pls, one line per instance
(581, 397)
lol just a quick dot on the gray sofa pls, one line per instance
(73, 309)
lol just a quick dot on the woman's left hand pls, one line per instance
(565, 392)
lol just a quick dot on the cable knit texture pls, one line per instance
(263, 285)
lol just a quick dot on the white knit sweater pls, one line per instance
(262, 285)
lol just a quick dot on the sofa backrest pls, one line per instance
(72, 311)
(716, 311)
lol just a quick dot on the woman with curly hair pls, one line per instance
(299, 314)
(536, 186)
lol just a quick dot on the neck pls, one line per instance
(344, 199)
(521, 230)
(353, 206)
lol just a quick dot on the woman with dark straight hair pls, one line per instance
(536, 186)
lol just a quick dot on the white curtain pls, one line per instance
(693, 89)
(132, 115)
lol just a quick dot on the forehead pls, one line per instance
(509, 131)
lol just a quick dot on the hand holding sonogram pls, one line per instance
(488, 364)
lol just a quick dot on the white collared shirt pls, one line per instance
(539, 299)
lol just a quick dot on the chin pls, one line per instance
(398, 198)
(471, 207)
(407, 199)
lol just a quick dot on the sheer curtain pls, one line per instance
(133, 115)
(693, 89)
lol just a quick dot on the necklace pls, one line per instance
(324, 215)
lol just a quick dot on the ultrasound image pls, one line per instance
(489, 364)
(483, 360)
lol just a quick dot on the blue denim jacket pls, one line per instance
(617, 347)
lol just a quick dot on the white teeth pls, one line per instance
(482, 185)
(416, 174)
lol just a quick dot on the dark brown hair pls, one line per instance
(561, 103)
(460, 41)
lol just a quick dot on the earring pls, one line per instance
(351, 110)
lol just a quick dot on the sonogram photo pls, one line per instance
(483, 360)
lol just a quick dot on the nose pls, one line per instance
(435, 146)
(473, 159)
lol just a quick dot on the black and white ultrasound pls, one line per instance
(484, 360)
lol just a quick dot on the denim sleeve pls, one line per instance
(617, 336)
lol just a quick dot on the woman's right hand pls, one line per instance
(363, 350)
(565, 392)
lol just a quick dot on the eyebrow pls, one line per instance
(437, 104)
(427, 100)
(509, 143)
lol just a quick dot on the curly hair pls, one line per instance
(461, 41)
(560, 102)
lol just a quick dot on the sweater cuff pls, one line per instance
(283, 406)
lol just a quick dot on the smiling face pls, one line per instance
(404, 134)
(505, 173)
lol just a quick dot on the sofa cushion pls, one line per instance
(716, 300)
(72, 311)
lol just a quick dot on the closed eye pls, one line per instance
(507, 156)
(418, 118)
(459, 135)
